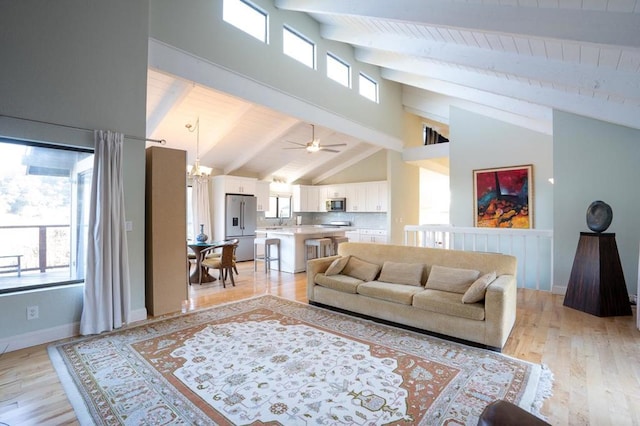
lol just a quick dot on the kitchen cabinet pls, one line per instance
(235, 184)
(356, 196)
(353, 236)
(308, 198)
(335, 191)
(378, 236)
(377, 196)
(262, 195)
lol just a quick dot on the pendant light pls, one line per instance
(196, 170)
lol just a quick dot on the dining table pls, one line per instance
(201, 273)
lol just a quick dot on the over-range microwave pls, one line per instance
(337, 205)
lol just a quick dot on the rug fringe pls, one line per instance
(545, 390)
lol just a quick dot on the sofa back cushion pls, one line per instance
(502, 264)
(454, 280)
(361, 269)
(337, 265)
(402, 273)
(476, 292)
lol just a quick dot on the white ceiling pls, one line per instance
(515, 60)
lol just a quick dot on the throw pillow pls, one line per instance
(337, 266)
(454, 280)
(478, 288)
(358, 268)
(402, 273)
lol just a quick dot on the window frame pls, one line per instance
(362, 76)
(21, 287)
(264, 38)
(339, 61)
(286, 29)
(278, 210)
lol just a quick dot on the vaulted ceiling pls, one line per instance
(514, 60)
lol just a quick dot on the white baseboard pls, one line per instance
(559, 289)
(138, 315)
(52, 334)
(39, 337)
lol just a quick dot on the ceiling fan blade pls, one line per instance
(328, 150)
(335, 144)
(296, 147)
(296, 143)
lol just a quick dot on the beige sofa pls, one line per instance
(421, 288)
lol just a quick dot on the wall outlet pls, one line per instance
(32, 312)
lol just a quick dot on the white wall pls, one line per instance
(225, 58)
(594, 160)
(480, 142)
(79, 63)
(434, 197)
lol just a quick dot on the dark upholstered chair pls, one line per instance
(503, 413)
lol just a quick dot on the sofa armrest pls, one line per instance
(500, 309)
(316, 266)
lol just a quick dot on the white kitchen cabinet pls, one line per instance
(356, 196)
(377, 196)
(235, 184)
(378, 236)
(262, 195)
(353, 236)
(309, 198)
(335, 191)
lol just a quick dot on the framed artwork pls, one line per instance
(502, 197)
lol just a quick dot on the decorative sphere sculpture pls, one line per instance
(599, 216)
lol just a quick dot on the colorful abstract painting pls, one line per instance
(502, 197)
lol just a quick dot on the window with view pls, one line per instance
(45, 193)
(368, 87)
(279, 207)
(299, 47)
(338, 70)
(246, 17)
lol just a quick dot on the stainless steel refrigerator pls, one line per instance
(240, 222)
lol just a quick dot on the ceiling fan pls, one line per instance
(314, 144)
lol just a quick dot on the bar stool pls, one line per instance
(321, 246)
(336, 242)
(266, 256)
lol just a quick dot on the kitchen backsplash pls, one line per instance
(358, 220)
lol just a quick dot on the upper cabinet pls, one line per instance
(309, 198)
(377, 196)
(362, 197)
(235, 184)
(335, 191)
(356, 195)
(262, 195)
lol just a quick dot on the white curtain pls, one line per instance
(200, 205)
(106, 289)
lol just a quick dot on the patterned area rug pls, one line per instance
(268, 360)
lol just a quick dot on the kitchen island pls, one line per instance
(292, 239)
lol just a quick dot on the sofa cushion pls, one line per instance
(338, 282)
(454, 280)
(358, 268)
(478, 288)
(337, 265)
(402, 273)
(445, 302)
(397, 293)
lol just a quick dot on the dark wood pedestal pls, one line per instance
(597, 285)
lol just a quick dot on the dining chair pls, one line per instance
(224, 263)
(235, 241)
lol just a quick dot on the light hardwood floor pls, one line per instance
(595, 361)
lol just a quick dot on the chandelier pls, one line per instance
(197, 170)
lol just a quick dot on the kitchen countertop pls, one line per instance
(304, 229)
